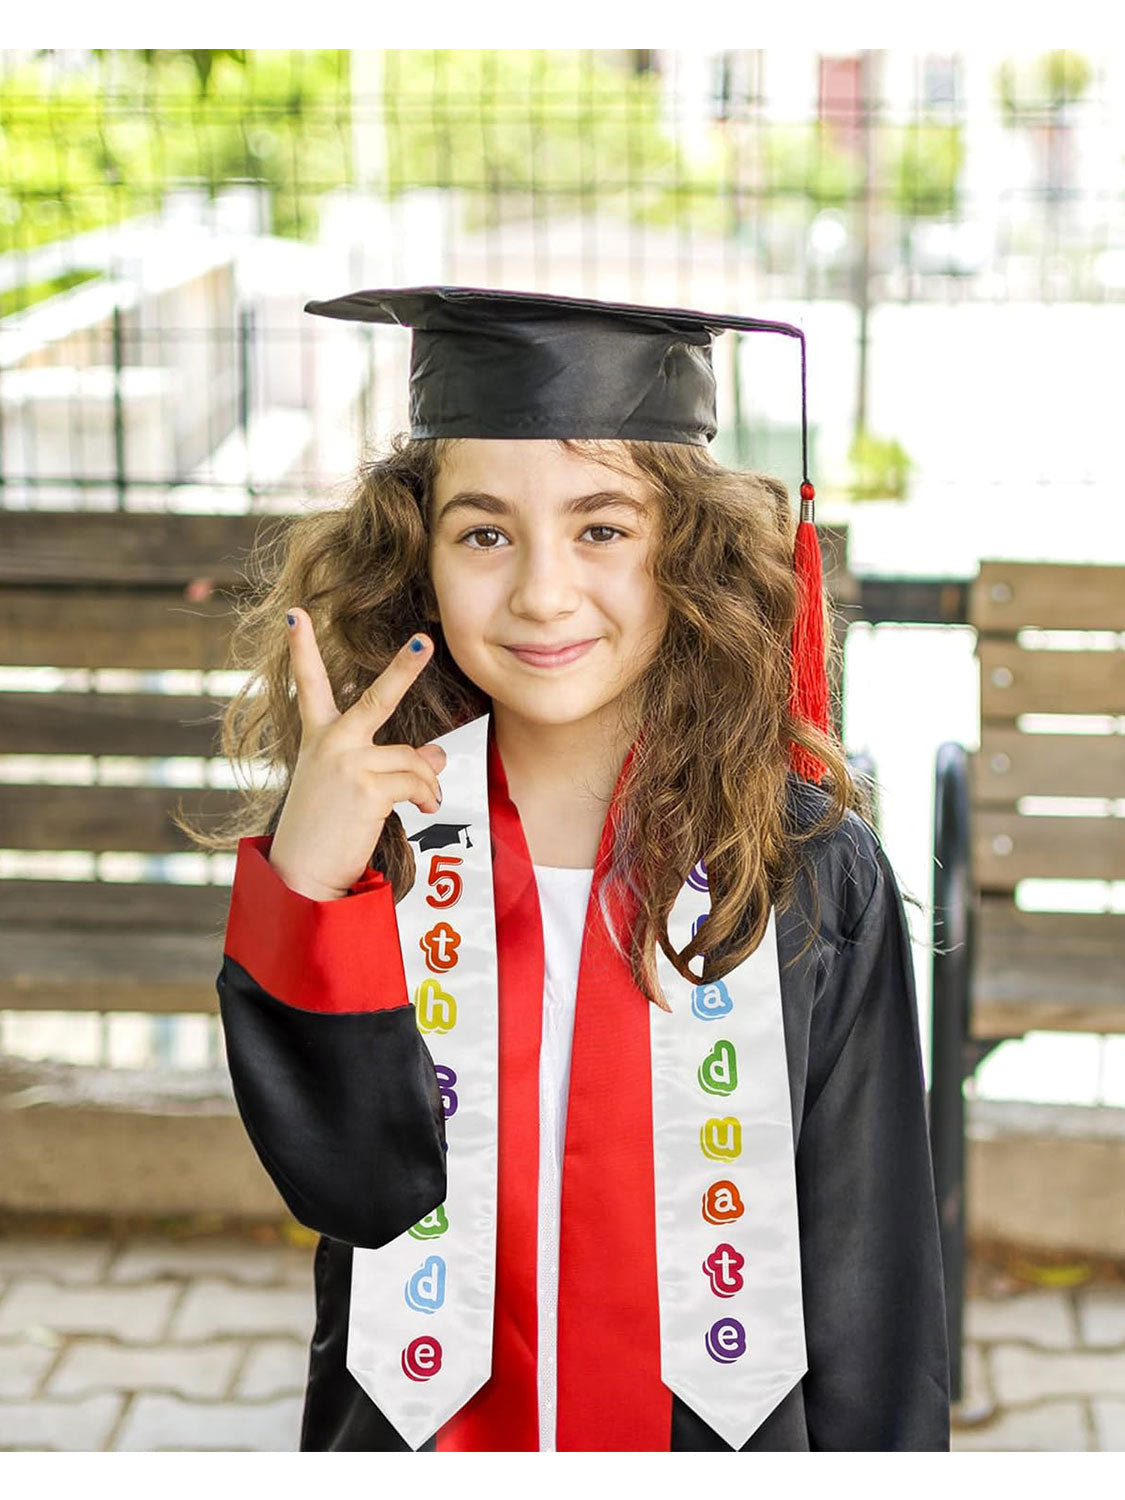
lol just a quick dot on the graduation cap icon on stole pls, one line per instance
(441, 835)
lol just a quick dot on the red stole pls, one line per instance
(610, 1395)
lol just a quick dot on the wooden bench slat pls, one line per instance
(113, 970)
(149, 630)
(142, 549)
(102, 905)
(132, 819)
(1018, 1016)
(921, 601)
(1012, 764)
(1047, 971)
(157, 724)
(1008, 848)
(1010, 596)
(1016, 681)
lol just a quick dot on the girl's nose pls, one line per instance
(545, 584)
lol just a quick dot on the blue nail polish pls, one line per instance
(290, 619)
(416, 645)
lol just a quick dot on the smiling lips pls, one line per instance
(554, 658)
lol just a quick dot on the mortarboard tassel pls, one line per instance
(808, 693)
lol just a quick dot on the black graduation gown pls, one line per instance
(345, 1113)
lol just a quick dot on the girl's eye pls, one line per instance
(493, 531)
(481, 531)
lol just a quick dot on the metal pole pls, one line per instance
(741, 443)
(119, 406)
(245, 390)
(868, 82)
(952, 963)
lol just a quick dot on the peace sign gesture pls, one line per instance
(344, 786)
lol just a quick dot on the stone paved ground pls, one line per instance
(153, 1344)
(1044, 1364)
(148, 1344)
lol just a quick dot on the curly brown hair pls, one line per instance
(722, 557)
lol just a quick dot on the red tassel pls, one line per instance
(808, 696)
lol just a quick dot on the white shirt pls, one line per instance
(563, 898)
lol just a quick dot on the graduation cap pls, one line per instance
(487, 363)
(441, 835)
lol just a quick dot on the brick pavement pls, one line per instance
(185, 1345)
(153, 1344)
(1044, 1369)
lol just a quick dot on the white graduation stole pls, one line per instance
(728, 1256)
(732, 1328)
(420, 1331)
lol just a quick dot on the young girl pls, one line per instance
(575, 1191)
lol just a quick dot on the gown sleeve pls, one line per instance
(878, 1377)
(333, 1081)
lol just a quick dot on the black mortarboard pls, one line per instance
(441, 835)
(495, 364)
(498, 364)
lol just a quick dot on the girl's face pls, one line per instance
(535, 546)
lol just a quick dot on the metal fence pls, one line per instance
(164, 214)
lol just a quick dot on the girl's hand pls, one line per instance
(343, 786)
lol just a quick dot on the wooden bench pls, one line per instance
(89, 591)
(999, 969)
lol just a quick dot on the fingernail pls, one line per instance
(417, 645)
(290, 619)
(439, 796)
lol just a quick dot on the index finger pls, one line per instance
(316, 702)
(380, 698)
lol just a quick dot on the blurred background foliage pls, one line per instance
(84, 149)
(571, 126)
(838, 204)
(1047, 82)
(81, 150)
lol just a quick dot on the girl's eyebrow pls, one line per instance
(582, 505)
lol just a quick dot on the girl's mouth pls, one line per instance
(552, 658)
